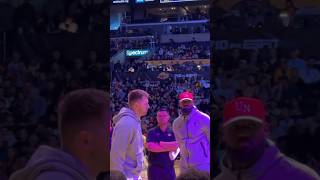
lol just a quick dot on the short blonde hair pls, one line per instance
(135, 95)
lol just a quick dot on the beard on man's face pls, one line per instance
(245, 147)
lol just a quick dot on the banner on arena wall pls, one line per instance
(246, 44)
(171, 62)
(185, 75)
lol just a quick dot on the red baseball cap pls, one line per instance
(185, 96)
(243, 108)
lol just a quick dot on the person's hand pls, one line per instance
(144, 141)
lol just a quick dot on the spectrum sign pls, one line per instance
(136, 52)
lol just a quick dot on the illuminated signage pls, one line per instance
(173, 1)
(120, 1)
(143, 1)
(136, 52)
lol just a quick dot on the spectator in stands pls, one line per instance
(290, 8)
(83, 119)
(68, 25)
(296, 62)
(311, 74)
(39, 104)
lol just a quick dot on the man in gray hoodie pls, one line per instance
(249, 154)
(192, 132)
(83, 117)
(126, 153)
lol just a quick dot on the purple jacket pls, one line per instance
(273, 165)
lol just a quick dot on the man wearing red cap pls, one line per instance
(249, 154)
(192, 131)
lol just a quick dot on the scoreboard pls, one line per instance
(174, 1)
(144, 1)
(151, 1)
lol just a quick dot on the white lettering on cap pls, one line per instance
(243, 107)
